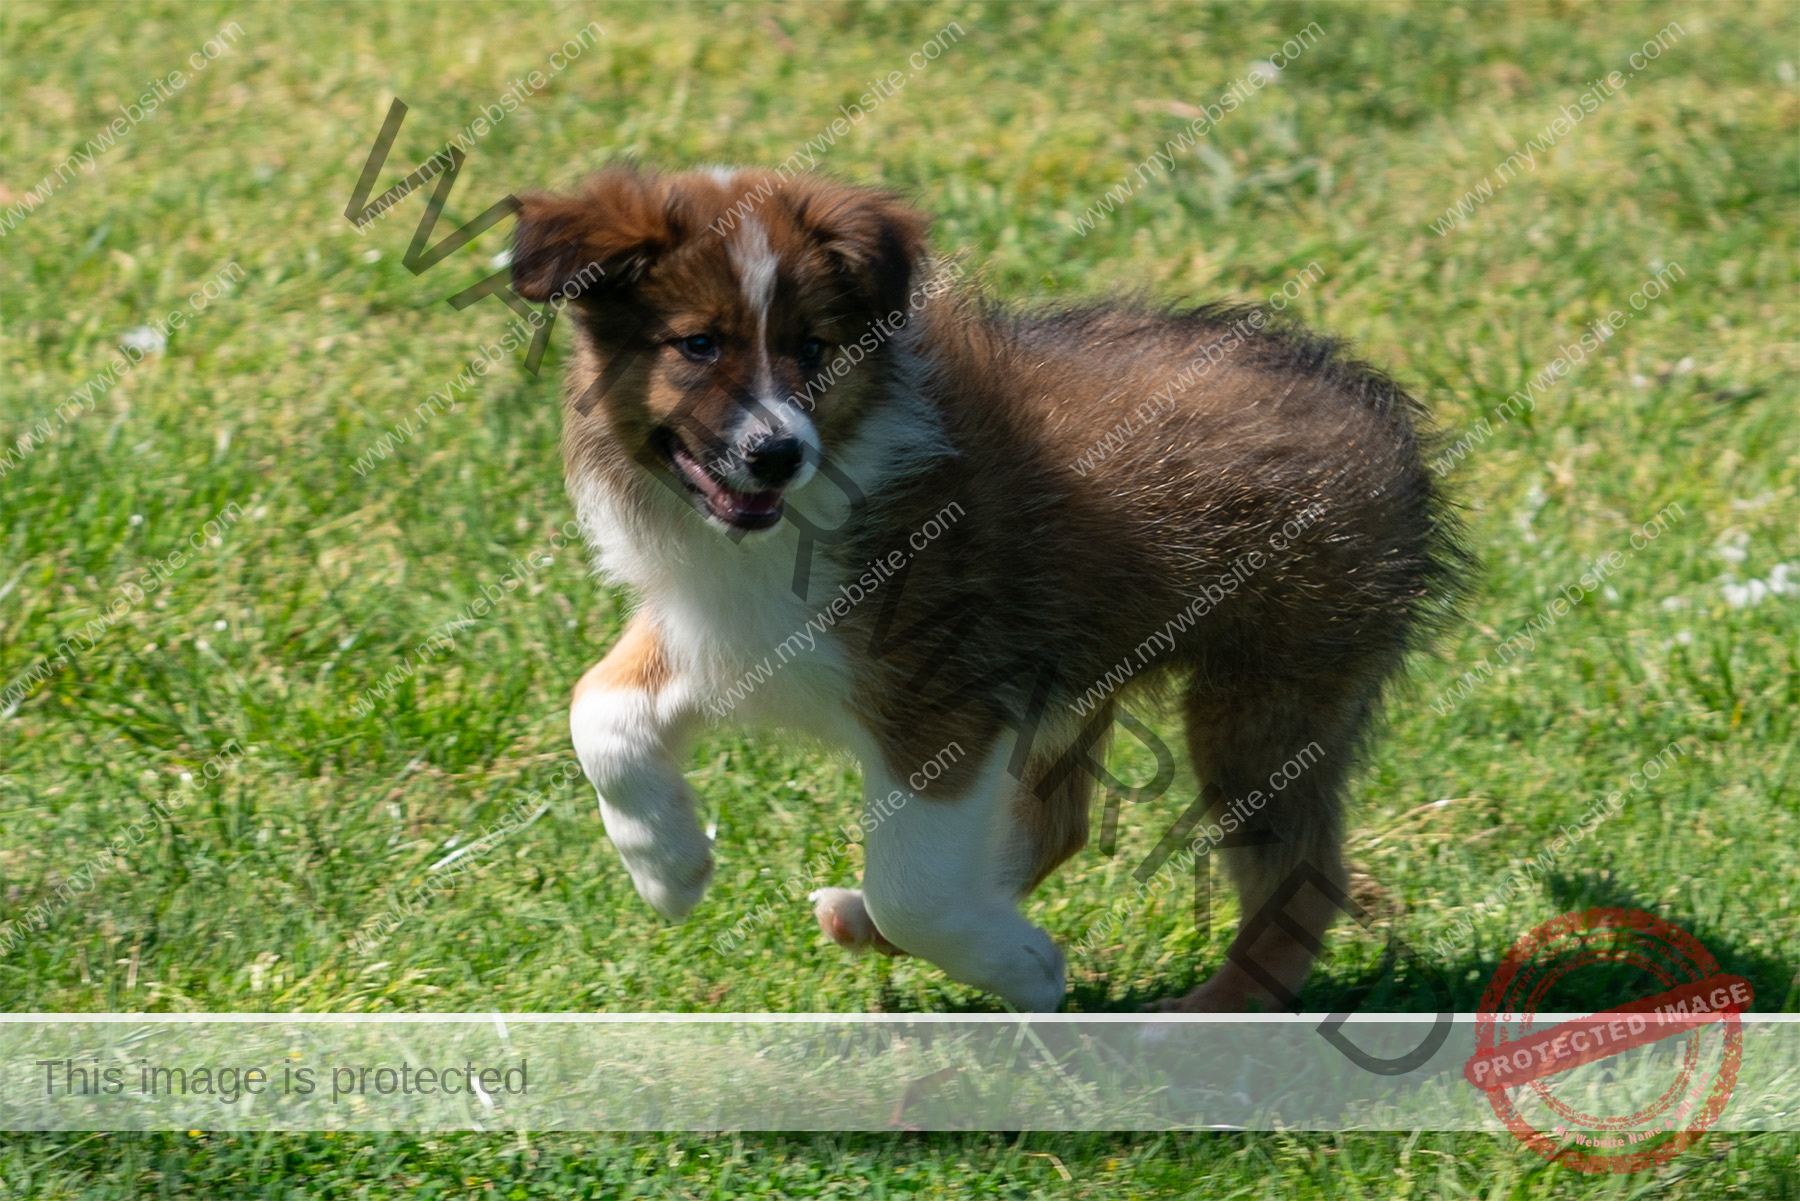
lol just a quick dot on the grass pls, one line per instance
(249, 900)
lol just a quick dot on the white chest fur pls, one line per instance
(750, 650)
(747, 649)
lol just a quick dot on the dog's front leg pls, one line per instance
(629, 719)
(937, 885)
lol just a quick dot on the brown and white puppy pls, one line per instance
(764, 414)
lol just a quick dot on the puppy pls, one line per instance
(942, 536)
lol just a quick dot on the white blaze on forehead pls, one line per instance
(755, 263)
(772, 414)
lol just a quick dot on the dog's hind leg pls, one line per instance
(1279, 763)
(630, 719)
(1048, 824)
(1050, 810)
(938, 883)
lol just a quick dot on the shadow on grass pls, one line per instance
(1372, 980)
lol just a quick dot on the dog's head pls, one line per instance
(739, 318)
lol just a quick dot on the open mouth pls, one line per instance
(735, 507)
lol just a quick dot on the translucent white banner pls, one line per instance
(843, 1072)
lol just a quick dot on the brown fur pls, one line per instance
(665, 278)
(1052, 819)
(637, 660)
(1051, 577)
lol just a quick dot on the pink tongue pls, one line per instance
(728, 500)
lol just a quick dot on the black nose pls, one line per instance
(774, 461)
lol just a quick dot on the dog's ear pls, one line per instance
(873, 237)
(607, 236)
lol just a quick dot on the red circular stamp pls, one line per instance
(1635, 1111)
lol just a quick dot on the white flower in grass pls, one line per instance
(1743, 596)
(145, 339)
(1523, 517)
(1754, 592)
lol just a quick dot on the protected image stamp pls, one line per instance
(1636, 1108)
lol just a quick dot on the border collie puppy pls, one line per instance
(939, 536)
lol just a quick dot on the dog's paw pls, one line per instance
(1217, 995)
(649, 816)
(1040, 991)
(847, 922)
(672, 888)
(1221, 994)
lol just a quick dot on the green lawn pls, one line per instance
(327, 576)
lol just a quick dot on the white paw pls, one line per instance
(987, 945)
(1037, 988)
(846, 921)
(668, 855)
(673, 893)
(648, 808)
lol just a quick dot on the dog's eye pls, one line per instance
(811, 351)
(701, 348)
